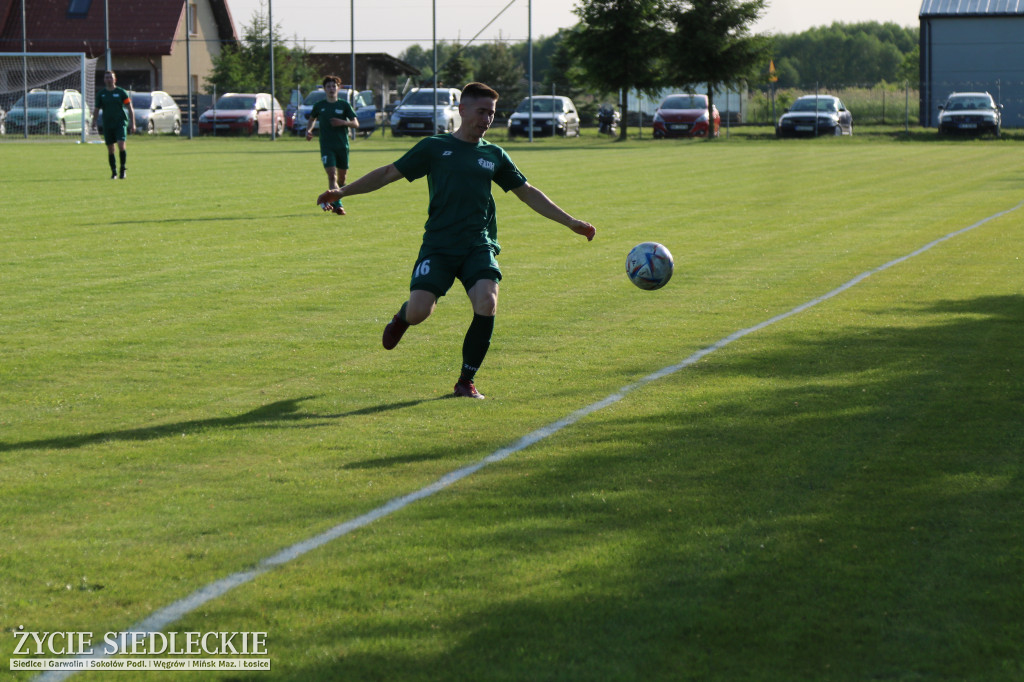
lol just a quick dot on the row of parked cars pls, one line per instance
(426, 111)
(679, 115)
(59, 112)
(963, 113)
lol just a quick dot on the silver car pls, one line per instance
(156, 112)
(970, 113)
(814, 115)
(416, 113)
(552, 115)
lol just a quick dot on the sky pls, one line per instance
(392, 25)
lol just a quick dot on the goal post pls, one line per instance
(32, 92)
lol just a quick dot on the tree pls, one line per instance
(712, 43)
(456, 70)
(245, 66)
(618, 44)
(848, 54)
(910, 70)
(562, 72)
(498, 67)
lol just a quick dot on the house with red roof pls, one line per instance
(154, 44)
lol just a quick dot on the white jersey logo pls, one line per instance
(489, 165)
(447, 153)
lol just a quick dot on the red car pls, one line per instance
(246, 113)
(685, 115)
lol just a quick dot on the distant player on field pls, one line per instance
(113, 101)
(460, 240)
(335, 118)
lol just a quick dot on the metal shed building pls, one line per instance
(972, 45)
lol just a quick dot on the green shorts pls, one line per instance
(115, 134)
(435, 272)
(334, 157)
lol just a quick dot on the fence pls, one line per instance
(884, 104)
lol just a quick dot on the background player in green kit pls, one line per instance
(460, 238)
(113, 101)
(335, 119)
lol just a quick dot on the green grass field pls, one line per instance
(191, 380)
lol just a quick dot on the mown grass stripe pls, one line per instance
(164, 617)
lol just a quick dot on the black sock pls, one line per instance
(113, 162)
(124, 155)
(401, 313)
(474, 347)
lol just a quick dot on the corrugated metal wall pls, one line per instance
(973, 53)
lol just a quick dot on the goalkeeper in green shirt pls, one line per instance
(460, 238)
(335, 118)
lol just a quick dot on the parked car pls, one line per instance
(686, 115)
(3, 122)
(245, 113)
(366, 110)
(814, 115)
(155, 112)
(414, 115)
(294, 102)
(552, 115)
(970, 113)
(49, 111)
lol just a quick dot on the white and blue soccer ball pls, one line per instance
(649, 265)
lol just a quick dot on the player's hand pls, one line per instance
(328, 197)
(584, 228)
(309, 134)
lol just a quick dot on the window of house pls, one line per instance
(193, 19)
(78, 8)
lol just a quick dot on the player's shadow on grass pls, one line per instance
(271, 416)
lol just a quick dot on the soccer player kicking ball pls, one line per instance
(112, 100)
(460, 238)
(335, 119)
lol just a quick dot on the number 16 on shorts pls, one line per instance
(422, 269)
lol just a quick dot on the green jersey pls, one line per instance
(461, 215)
(323, 111)
(112, 103)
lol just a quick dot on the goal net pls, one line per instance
(52, 92)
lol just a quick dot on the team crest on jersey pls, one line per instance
(489, 165)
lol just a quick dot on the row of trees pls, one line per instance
(863, 54)
(621, 45)
(848, 54)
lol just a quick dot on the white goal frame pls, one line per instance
(83, 73)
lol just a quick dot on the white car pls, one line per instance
(415, 114)
(970, 113)
(552, 115)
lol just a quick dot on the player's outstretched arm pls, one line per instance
(370, 182)
(539, 202)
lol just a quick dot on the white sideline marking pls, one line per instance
(162, 618)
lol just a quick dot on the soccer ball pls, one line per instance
(649, 265)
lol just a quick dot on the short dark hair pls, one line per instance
(473, 90)
(331, 79)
